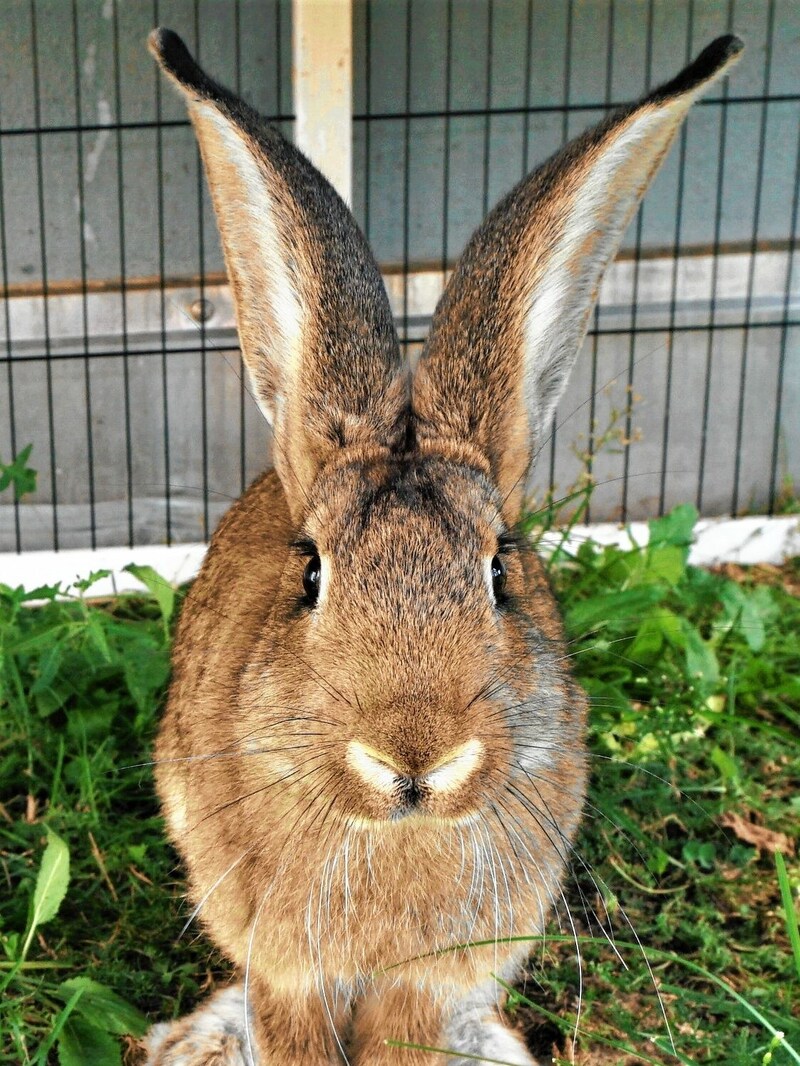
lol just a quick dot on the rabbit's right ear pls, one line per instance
(512, 318)
(314, 321)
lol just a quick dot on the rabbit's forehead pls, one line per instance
(405, 503)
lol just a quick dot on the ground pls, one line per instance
(684, 887)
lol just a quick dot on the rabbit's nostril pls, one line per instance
(410, 791)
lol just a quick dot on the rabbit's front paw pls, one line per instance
(486, 1039)
(214, 1035)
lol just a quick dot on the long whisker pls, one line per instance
(324, 684)
(264, 788)
(211, 890)
(628, 922)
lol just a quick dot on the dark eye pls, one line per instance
(498, 577)
(311, 576)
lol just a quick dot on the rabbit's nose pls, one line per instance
(384, 773)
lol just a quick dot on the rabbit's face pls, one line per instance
(411, 665)
(420, 642)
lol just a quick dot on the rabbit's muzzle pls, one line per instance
(422, 785)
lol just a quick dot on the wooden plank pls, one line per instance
(322, 77)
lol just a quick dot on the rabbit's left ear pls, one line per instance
(314, 319)
(512, 318)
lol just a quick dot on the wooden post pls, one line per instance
(322, 63)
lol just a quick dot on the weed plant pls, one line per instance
(682, 936)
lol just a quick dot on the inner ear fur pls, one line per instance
(512, 318)
(313, 315)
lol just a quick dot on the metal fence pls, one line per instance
(119, 356)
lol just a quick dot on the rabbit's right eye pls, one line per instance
(498, 577)
(311, 578)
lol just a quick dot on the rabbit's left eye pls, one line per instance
(498, 577)
(311, 578)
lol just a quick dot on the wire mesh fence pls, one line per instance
(120, 361)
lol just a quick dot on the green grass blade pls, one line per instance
(568, 1026)
(788, 908)
(445, 1051)
(656, 954)
(40, 1059)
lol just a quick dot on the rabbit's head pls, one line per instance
(410, 623)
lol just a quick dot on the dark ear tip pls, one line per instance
(174, 57)
(721, 51)
(714, 58)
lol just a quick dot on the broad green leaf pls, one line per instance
(648, 642)
(98, 637)
(52, 880)
(51, 885)
(42, 592)
(83, 584)
(746, 611)
(659, 625)
(103, 1008)
(701, 662)
(18, 473)
(657, 861)
(675, 527)
(670, 625)
(146, 670)
(159, 587)
(664, 564)
(53, 698)
(83, 1044)
(703, 852)
(48, 666)
(725, 764)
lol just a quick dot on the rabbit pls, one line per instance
(372, 757)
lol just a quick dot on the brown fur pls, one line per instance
(348, 904)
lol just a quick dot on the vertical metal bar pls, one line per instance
(526, 120)
(407, 166)
(278, 56)
(123, 267)
(567, 75)
(676, 250)
(237, 49)
(487, 122)
(787, 297)
(201, 256)
(12, 418)
(448, 123)
(368, 109)
(637, 255)
(564, 138)
(751, 269)
(87, 379)
(37, 113)
(723, 143)
(162, 289)
(609, 87)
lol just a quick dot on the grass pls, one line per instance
(680, 906)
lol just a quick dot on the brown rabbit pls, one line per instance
(373, 750)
